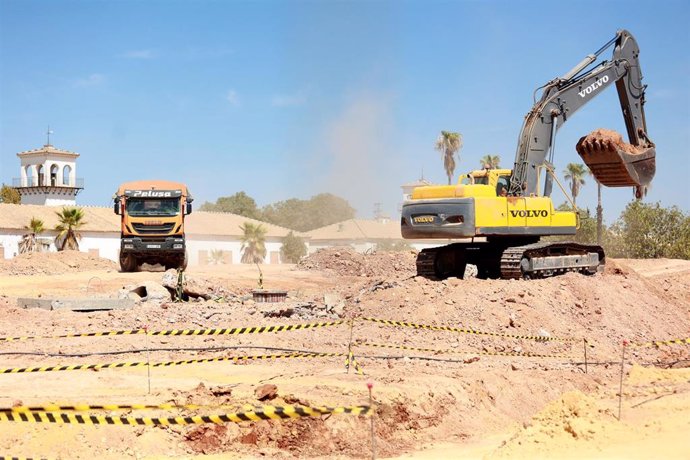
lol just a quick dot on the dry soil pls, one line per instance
(475, 396)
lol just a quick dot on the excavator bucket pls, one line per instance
(615, 163)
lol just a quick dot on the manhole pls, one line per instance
(263, 296)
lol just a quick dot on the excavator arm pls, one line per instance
(562, 97)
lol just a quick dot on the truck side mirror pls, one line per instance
(116, 207)
(188, 208)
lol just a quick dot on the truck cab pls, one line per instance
(152, 223)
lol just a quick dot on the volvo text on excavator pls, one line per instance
(501, 214)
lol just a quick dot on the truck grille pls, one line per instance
(153, 229)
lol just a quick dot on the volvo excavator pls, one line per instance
(500, 215)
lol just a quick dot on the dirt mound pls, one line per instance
(608, 137)
(54, 263)
(345, 261)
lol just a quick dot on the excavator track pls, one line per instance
(425, 263)
(510, 262)
(535, 260)
(442, 262)
(544, 259)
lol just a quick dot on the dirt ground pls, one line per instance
(476, 396)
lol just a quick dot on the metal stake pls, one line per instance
(148, 358)
(371, 408)
(620, 387)
(349, 347)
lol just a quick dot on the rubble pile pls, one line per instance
(54, 263)
(345, 261)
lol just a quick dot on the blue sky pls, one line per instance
(290, 99)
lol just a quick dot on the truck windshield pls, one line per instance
(153, 207)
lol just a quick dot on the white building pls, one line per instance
(48, 176)
(212, 237)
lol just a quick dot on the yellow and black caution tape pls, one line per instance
(538, 338)
(660, 343)
(264, 413)
(107, 407)
(461, 352)
(7, 457)
(95, 367)
(351, 361)
(67, 336)
(178, 332)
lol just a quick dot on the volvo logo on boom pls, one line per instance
(594, 86)
(530, 213)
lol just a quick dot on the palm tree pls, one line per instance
(600, 209)
(575, 173)
(216, 257)
(253, 243)
(70, 221)
(490, 161)
(449, 143)
(28, 242)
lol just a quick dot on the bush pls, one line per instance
(650, 231)
(293, 248)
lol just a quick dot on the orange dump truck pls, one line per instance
(152, 223)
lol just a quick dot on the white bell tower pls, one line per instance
(48, 176)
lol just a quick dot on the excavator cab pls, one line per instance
(615, 163)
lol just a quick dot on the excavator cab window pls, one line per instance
(484, 180)
(502, 185)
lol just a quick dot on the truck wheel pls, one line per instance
(183, 261)
(179, 262)
(128, 263)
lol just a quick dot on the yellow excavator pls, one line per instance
(500, 215)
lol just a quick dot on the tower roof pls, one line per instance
(47, 149)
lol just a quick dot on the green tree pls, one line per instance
(293, 248)
(575, 173)
(449, 143)
(650, 231)
(600, 210)
(240, 203)
(586, 232)
(70, 221)
(9, 195)
(304, 215)
(28, 242)
(490, 161)
(253, 243)
(613, 241)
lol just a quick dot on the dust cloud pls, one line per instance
(357, 154)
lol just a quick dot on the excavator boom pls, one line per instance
(614, 164)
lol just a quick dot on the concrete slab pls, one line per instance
(75, 304)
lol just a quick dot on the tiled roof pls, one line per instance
(223, 223)
(99, 219)
(16, 216)
(358, 229)
(48, 149)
